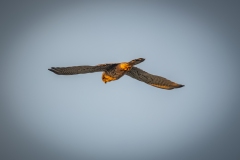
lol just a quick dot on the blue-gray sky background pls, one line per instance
(46, 116)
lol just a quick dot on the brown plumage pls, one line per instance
(114, 71)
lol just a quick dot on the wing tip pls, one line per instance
(181, 85)
(52, 69)
(178, 86)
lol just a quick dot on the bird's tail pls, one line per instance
(136, 61)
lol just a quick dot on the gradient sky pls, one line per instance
(79, 117)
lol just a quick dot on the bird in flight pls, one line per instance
(114, 71)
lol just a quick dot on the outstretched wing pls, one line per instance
(81, 69)
(153, 80)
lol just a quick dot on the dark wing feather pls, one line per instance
(80, 69)
(153, 80)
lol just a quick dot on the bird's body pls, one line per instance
(114, 71)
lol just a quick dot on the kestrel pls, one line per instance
(114, 71)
